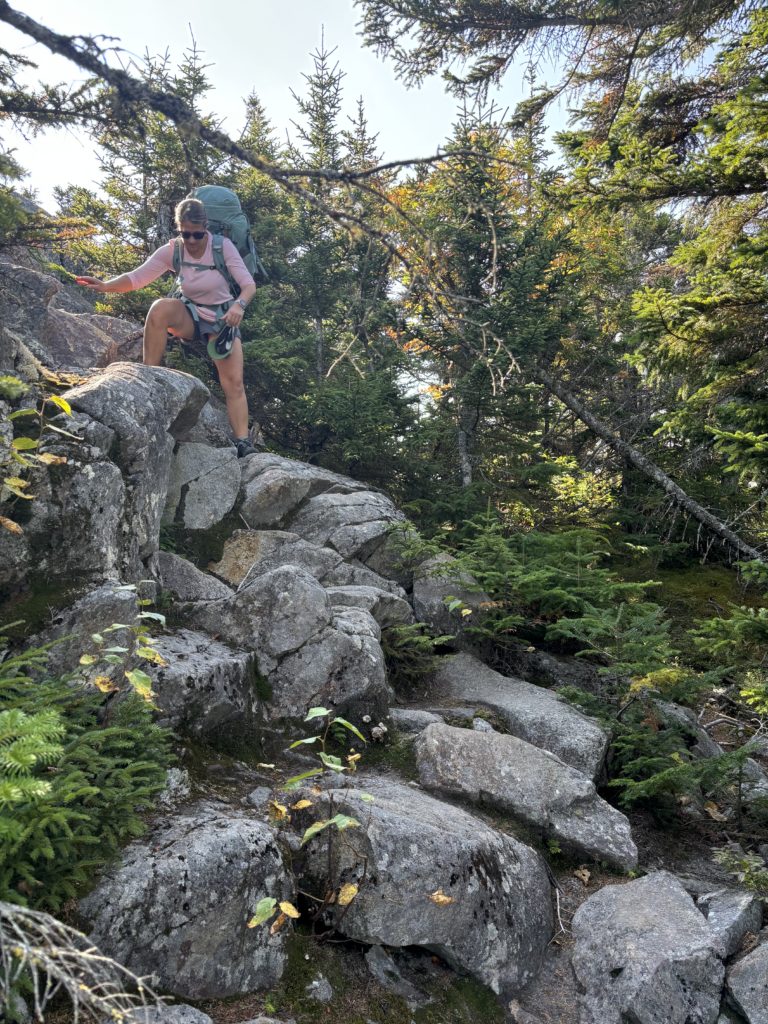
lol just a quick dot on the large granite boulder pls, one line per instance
(530, 712)
(644, 953)
(185, 582)
(202, 486)
(145, 407)
(385, 607)
(276, 614)
(273, 487)
(177, 904)
(72, 628)
(76, 528)
(530, 784)
(748, 985)
(732, 914)
(204, 685)
(250, 553)
(57, 324)
(307, 652)
(353, 524)
(432, 875)
(341, 667)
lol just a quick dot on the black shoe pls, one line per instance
(245, 447)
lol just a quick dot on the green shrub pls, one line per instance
(100, 768)
(410, 652)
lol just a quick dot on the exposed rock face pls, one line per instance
(531, 784)
(386, 608)
(202, 486)
(748, 985)
(146, 407)
(410, 847)
(177, 904)
(186, 582)
(530, 712)
(732, 913)
(273, 487)
(353, 524)
(644, 953)
(205, 685)
(58, 325)
(92, 613)
(342, 667)
(250, 553)
(308, 653)
(179, 1013)
(413, 720)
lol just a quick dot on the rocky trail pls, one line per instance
(456, 895)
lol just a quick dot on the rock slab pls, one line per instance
(644, 953)
(531, 784)
(432, 875)
(177, 904)
(530, 712)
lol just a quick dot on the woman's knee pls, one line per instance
(232, 387)
(163, 313)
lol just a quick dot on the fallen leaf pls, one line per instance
(278, 812)
(347, 893)
(289, 910)
(105, 684)
(714, 811)
(49, 459)
(300, 805)
(583, 874)
(440, 899)
(9, 525)
(278, 923)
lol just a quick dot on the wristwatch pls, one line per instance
(243, 305)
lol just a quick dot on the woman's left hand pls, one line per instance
(234, 315)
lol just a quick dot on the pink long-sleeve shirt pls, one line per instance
(203, 288)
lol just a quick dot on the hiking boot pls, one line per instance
(245, 447)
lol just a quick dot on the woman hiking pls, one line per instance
(207, 315)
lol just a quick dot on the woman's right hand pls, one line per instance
(91, 282)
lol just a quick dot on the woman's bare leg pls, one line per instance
(165, 315)
(231, 379)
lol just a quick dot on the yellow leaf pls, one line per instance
(105, 684)
(9, 525)
(289, 910)
(300, 805)
(49, 459)
(347, 893)
(714, 811)
(263, 764)
(440, 899)
(278, 923)
(150, 654)
(583, 874)
(278, 812)
(62, 403)
(15, 481)
(465, 612)
(88, 659)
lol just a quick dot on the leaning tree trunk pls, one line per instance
(645, 466)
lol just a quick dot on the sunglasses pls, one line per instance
(197, 235)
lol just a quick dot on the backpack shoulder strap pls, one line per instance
(220, 263)
(176, 244)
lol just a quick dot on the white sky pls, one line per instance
(260, 45)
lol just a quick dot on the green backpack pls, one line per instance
(225, 220)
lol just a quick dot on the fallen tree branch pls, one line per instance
(647, 468)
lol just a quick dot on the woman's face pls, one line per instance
(195, 246)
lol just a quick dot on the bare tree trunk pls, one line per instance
(648, 468)
(319, 348)
(465, 464)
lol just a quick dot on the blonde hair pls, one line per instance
(192, 211)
